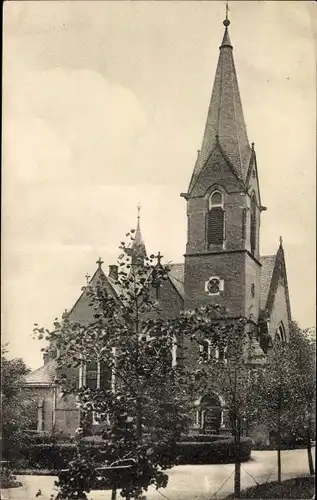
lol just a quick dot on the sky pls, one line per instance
(104, 107)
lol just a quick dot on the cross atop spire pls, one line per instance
(99, 262)
(87, 278)
(226, 21)
(225, 126)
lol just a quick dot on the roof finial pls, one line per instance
(138, 217)
(87, 278)
(226, 21)
(99, 262)
(281, 241)
(159, 257)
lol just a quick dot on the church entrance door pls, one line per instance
(210, 414)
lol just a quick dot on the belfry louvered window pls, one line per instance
(215, 219)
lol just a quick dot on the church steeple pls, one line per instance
(223, 203)
(225, 124)
(138, 250)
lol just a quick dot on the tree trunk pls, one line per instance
(138, 417)
(113, 493)
(309, 452)
(278, 445)
(237, 464)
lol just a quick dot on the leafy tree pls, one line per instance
(17, 407)
(302, 353)
(230, 365)
(274, 395)
(146, 404)
(285, 392)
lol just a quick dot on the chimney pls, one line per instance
(113, 272)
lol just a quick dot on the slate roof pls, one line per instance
(268, 264)
(43, 376)
(225, 125)
(176, 276)
(177, 270)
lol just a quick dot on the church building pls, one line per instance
(222, 263)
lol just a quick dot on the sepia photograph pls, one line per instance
(158, 269)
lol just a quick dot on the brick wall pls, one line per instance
(67, 418)
(227, 266)
(252, 276)
(45, 394)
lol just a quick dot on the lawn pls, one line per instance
(299, 487)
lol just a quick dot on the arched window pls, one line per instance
(204, 348)
(253, 225)
(210, 414)
(280, 333)
(215, 219)
(174, 352)
(221, 354)
(95, 375)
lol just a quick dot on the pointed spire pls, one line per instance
(226, 39)
(138, 246)
(225, 125)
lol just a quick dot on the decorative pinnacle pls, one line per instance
(281, 241)
(252, 145)
(87, 278)
(226, 21)
(99, 262)
(138, 217)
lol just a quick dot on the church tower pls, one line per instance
(222, 261)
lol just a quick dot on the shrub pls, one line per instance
(7, 479)
(298, 487)
(48, 455)
(56, 456)
(220, 451)
(30, 438)
(77, 480)
(200, 438)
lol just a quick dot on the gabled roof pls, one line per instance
(279, 270)
(43, 376)
(81, 311)
(176, 276)
(268, 264)
(273, 266)
(225, 125)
